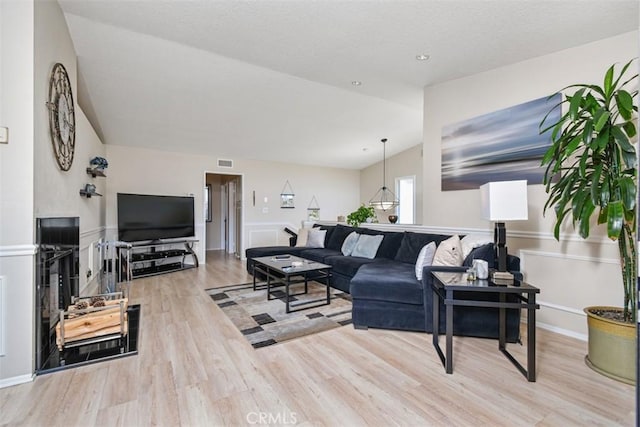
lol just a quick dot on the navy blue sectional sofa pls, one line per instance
(384, 290)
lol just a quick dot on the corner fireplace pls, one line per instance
(57, 279)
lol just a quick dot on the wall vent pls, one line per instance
(225, 163)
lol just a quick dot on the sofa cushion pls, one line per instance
(330, 229)
(449, 252)
(347, 265)
(425, 257)
(387, 281)
(335, 240)
(412, 243)
(349, 243)
(485, 252)
(316, 238)
(318, 254)
(303, 234)
(472, 241)
(367, 246)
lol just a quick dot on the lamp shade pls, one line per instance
(504, 200)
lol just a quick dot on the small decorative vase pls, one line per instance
(393, 219)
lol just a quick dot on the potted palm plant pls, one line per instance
(591, 175)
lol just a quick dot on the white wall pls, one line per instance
(406, 163)
(571, 274)
(16, 189)
(144, 171)
(57, 191)
(34, 36)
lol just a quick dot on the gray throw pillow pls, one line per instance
(350, 243)
(315, 238)
(367, 246)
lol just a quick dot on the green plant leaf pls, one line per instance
(624, 103)
(601, 119)
(595, 185)
(608, 79)
(628, 192)
(574, 104)
(630, 129)
(585, 218)
(603, 139)
(622, 139)
(615, 219)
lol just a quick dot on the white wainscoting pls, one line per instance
(3, 311)
(259, 234)
(568, 283)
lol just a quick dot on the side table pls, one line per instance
(446, 285)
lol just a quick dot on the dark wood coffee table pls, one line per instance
(288, 270)
(446, 285)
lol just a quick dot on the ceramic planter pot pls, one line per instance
(612, 346)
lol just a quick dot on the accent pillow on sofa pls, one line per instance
(485, 252)
(303, 234)
(367, 246)
(336, 239)
(472, 241)
(315, 239)
(449, 252)
(350, 243)
(425, 258)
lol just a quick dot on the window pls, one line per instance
(406, 193)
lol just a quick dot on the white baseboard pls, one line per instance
(21, 379)
(562, 331)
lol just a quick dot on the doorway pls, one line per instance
(223, 213)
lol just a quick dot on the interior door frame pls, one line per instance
(241, 225)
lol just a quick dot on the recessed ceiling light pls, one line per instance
(356, 83)
(422, 57)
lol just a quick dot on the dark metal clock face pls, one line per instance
(62, 120)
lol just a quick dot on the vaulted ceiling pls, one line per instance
(273, 80)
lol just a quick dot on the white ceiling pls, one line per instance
(272, 79)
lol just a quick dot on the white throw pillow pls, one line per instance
(449, 252)
(472, 241)
(350, 243)
(425, 258)
(303, 234)
(367, 246)
(315, 238)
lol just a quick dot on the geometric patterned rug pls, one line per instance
(264, 323)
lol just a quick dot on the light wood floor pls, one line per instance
(195, 368)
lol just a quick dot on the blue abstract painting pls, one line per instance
(503, 145)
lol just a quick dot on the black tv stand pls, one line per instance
(149, 258)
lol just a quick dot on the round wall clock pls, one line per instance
(62, 119)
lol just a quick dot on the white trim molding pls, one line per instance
(18, 250)
(562, 331)
(21, 379)
(566, 256)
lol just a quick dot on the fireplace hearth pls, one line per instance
(57, 283)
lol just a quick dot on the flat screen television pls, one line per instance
(152, 217)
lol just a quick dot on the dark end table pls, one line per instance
(445, 286)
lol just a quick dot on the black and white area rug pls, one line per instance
(264, 323)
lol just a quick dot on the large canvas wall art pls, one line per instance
(503, 145)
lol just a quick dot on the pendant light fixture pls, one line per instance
(384, 199)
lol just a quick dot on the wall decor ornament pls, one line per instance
(503, 145)
(313, 211)
(286, 197)
(62, 119)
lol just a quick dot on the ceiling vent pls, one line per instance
(225, 163)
